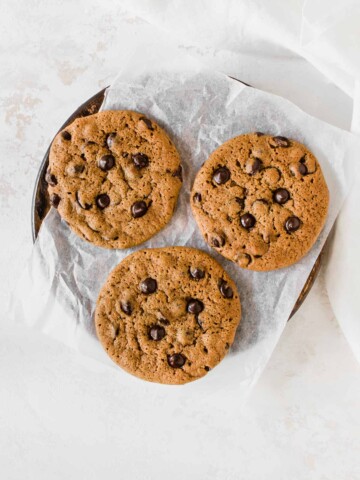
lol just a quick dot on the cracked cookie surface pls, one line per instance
(114, 177)
(168, 315)
(260, 201)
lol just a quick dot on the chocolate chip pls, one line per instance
(221, 175)
(292, 224)
(194, 306)
(240, 201)
(225, 289)
(106, 162)
(110, 139)
(247, 220)
(207, 369)
(164, 321)
(50, 179)
(66, 135)
(102, 201)
(86, 206)
(149, 285)
(78, 168)
(178, 173)
(199, 322)
(259, 134)
(302, 169)
(243, 260)
(197, 197)
(140, 160)
(177, 360)
(138, 209)
(217, 241)
(281, 141)
(126, 307)
(197, 273)
(253, 166)
(55, 200)
(281, 195)
(147, 123)
(156, 332)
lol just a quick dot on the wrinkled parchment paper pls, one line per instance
(200, 109)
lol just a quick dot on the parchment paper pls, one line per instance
(200, 109)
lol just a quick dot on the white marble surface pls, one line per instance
(62, 416)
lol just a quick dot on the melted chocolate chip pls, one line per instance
(102, 201)
(78, 168)
(240, 201)
(302, 169)
(140, 160)
(194, 306)
(281, 141)
(156, 332)
(106, 162)
(50, 179)
(66, 135)
(244, 260)
(147, 123)
(126, 307)
(259, 134)
(149, 285)
(218, 241)
(197, 273)
(138, 209)
(86, 206)
(178, 173)
(177, 360)
(254, 166)
(281, 196)
(292, 224)
(225, 289)
(221, 175)
(199, 322)
(247, 220)
(110, 139)
(55, 200)
(197, 197)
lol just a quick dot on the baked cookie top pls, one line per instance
(167, 315)
(260, 201)
(114, 177)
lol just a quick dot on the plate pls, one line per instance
(41, 203)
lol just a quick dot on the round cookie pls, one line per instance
(260, 201)
(114, 177)
(167, 315)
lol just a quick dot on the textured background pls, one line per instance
(62, 416)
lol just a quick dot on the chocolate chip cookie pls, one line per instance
(114, 177)
(168, 315)
(261, 201)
